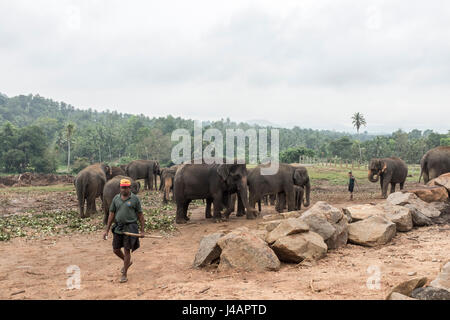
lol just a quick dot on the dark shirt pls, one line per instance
(125, 212)
(351, 184)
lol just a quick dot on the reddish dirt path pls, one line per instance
(162, 269)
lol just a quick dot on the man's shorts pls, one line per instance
(127, 242)
(123, 241)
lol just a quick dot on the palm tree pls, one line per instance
(358, 121)
(69, 132)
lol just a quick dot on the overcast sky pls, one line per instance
(306, 63)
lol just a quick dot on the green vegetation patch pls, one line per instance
(47, 224)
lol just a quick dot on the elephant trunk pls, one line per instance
(307, 193)
(242, 189)
(371, 177)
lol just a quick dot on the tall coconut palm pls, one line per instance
(358, 121)
(69, 132)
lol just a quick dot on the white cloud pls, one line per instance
(311, 62)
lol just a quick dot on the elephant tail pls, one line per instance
(423, 165)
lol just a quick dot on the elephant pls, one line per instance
(434, 163)
(167, 176)
(229, 202)
(389, 171)
(215, 182)
(144, 169)
(112, 188)
(299, 194)
(89, 184)
(115, 171)
(282, 184)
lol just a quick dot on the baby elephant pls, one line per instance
(112, 188)
(388, 171)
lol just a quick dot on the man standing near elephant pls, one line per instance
(125, 211)
(351, 184)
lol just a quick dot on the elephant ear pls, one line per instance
(223, 171)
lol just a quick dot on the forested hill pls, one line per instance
(113, 136)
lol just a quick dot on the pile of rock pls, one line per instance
(293, 238)
(374, 225)
(415, 289)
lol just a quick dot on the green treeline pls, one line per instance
(35, 136)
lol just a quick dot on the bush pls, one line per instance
(79, 164)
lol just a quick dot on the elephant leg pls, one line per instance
(180, 212)
(259, 205)
(185, 210)
(385, 188)
(290, 200)
(401, 185)
(150, 181)
(280, 204)
(240, 207)
(392, 187)
(266, 200)
(208, 209)
(218, 201)
(272, 198)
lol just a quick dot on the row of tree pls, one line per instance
(39, 134)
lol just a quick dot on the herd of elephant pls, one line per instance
(224, 185)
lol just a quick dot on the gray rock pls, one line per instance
(372, 231)
(430, 293)
(363, 211)
(410, 200)
(401, 198)
(399, 296)
(269, 225)
(443, 279)
(329, 222)
(401, 216)
(406, 288)
(285, 228)
(208, 250)
(418, 218)
(297, 247)
(443, 180)
(243, 250)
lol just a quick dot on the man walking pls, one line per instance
(125, 211)
(351, 184)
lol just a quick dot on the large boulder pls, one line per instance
(443, 279)
(401, 198)
(269, 225)
(406, 288)
(443, 180)
(363, 211)
(401, 216)
(430, 193)
(372, 231)
(243, 250)
(411, 201)
(418, 218)
(285, 228)
(297, 247)
(329, 222)
(208, 250)
(430, 293)
(399, 296)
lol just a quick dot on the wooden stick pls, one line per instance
(138, 235)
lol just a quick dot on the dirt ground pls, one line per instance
(162, 269)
